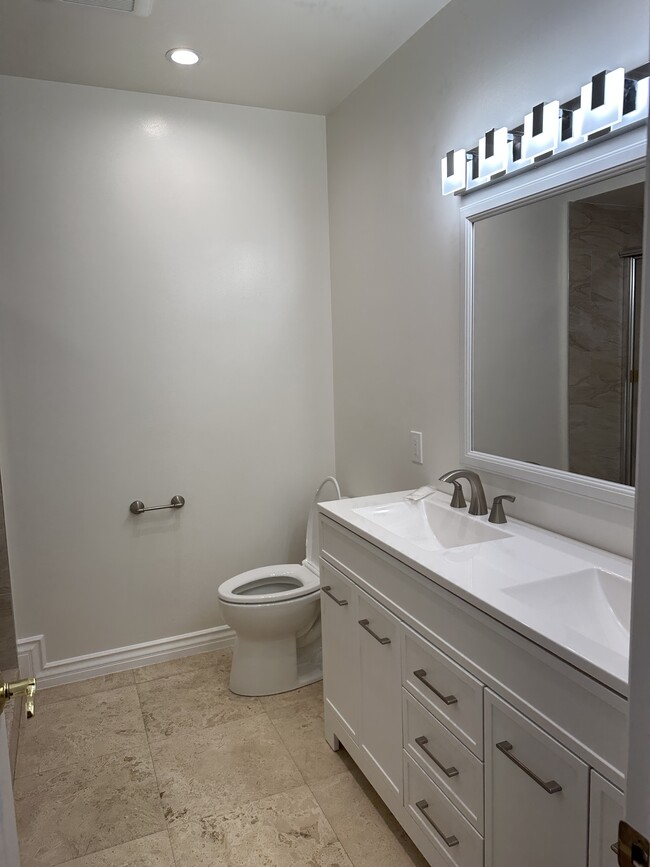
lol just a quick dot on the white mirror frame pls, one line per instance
(598, 161)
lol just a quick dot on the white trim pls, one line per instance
(32, 656)
(9, 855)
(607, 159)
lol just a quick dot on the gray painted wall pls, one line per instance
(396, 270)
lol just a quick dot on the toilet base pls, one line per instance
(270, 667)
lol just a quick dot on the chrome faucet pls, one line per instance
(477, 504)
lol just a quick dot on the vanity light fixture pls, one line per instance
(601, 101)
(493, 153)
(454, 171)
(541, 130)
(183, 56)
(608, 104)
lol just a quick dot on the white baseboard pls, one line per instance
(32, 656)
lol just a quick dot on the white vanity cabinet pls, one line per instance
(536, 794)
(361, 665)
(483, 745)
(341, 667)
(380, 733)
(606, 809)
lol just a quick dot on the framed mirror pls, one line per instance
(553, 264)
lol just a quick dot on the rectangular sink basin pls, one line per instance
(431, 526)
(591, 603)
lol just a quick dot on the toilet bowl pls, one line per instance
(275, 613)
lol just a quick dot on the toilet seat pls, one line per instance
(269, 584)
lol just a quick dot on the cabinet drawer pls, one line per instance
(606, 809)
(444, 688)
(449, 764)
(536, 794)
(450, 834)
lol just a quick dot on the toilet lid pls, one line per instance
(269, 584)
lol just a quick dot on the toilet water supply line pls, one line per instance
(314, 629)
(322, 485)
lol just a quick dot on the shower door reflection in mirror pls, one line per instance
(557, 290)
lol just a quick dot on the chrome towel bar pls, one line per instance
(137, 507)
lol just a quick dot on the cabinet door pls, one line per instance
(341, 665)
(537, 794)
(606, 809)
(381, 695)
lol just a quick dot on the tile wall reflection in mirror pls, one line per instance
(557, 291)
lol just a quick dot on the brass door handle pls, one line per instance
(25, 688)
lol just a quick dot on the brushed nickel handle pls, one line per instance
(365, 624)
(552, 787)
(328, 592)
(422, 675)
(137, 507)
(450, 841)
(614, 848)
(422, 743)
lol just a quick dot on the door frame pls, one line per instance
(9, 855)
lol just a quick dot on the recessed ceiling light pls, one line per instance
(183, 56)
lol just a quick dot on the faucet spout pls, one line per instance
(478, 503)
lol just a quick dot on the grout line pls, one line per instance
(282, 741)
(75, 762)
(56, 701)
(191, 668)
(107, 849)
(153, 766)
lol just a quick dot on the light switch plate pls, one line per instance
(416, 447)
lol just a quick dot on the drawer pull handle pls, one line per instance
(422, 743)
(365, 624)
(450, 841)
(328, 592)
(551, 787)
(422, 675)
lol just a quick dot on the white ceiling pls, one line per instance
(300, 55)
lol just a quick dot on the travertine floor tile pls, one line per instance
(303, 736)
(283, 830)
(369, 833)
(218, 768)
(307, 700)
(152, 851)
(217, 659)
(194, 700)
(87, 807)
(105, 682)
(81, 729)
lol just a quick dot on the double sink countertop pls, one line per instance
(570, 598)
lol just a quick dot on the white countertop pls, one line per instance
(490, 576)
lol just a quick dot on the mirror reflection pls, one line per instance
(557, 290)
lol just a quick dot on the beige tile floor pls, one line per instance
(164, 767)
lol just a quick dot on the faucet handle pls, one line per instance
(458, 497)
(497, 515)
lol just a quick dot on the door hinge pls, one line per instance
(633, 848)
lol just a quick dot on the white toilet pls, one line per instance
(275, 612)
